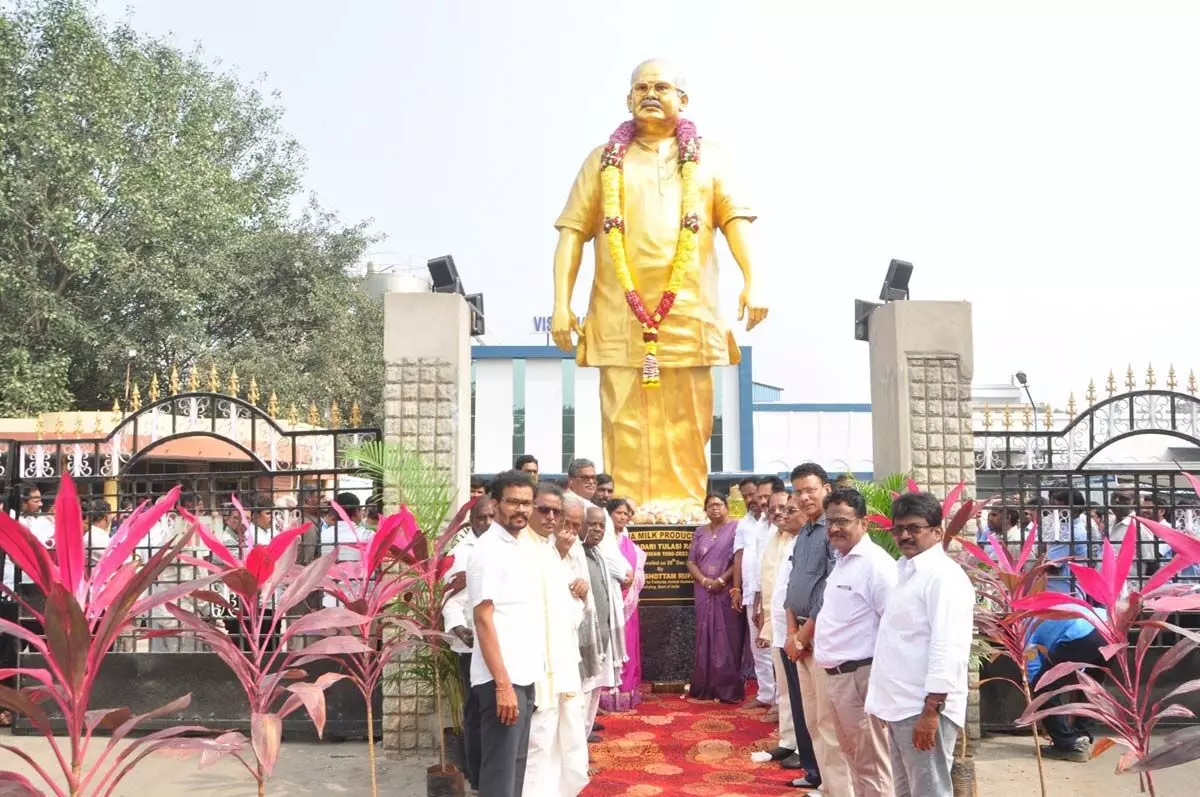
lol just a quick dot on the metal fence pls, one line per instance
(1051, 483)
(218, 449)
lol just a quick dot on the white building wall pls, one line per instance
(838, 437)
(494, 415)
(730, 417)
(543, 412)
(588, 442)
(837, 440)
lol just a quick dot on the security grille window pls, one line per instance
(518, 439)
(568, 413)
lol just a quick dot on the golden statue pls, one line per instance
(652, 199)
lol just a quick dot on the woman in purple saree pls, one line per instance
(627, 695)
(719, 629)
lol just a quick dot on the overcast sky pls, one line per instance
(1044, 165)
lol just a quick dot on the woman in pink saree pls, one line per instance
(627, 695)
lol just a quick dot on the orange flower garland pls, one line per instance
(612, 183)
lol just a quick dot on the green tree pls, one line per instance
(146, 205)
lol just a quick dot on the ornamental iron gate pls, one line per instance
(219, 448)
(1054, 480)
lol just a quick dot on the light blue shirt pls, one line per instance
(1049, 634)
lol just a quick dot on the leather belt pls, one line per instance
(845, 668)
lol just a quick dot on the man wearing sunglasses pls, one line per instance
(557, 763)
(581, 483)
(924, 642)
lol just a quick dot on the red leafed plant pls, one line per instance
(954, 521)
(266, 664)
(1130, 711)
(86, 609)
(369, 585)
(424, 564)
(1002, 583)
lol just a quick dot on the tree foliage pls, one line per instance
(147, 204)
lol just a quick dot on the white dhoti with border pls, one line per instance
(557, 765)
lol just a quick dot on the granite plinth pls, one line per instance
(668, 637)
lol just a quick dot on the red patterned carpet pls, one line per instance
(674, 746)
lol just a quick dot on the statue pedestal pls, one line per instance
(668, 642)
(666, 608)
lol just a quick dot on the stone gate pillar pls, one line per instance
(921, 369)
(922, 364)
(427, 410)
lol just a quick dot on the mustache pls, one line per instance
(650, 102)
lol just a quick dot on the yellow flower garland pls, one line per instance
(612, 187)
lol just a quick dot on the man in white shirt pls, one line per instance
(856, 593)
(924, 642)
(508, 658)
(749, 540)
(558, 758)
(459, 624)
(795, 750)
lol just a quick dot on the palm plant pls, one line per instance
(426, 492)
(879, 496)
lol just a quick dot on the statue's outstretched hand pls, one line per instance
(750, 309)
(562, 324)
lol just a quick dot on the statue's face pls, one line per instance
(654, 97)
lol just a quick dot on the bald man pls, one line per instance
(644, 224)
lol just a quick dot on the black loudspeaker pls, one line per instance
(862, 317)
(444, 275)
(477, 325)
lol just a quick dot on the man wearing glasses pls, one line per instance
(925, 641)
(581, 483)
(812, 561)
(508, 657)
(558, 758)
(844, 646)
(795, 747)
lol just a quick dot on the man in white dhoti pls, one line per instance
(557, 760)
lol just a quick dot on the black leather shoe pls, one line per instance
(780, 753)
(597, 726)
(594, 739)
(791, 762)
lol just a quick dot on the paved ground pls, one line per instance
(303, 769)
(1005, 769)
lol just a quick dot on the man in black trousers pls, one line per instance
(508, 658)
(460, 624)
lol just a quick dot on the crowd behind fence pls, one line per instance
(238, 519)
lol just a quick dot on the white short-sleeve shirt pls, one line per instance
(498, 572)
(856, 594)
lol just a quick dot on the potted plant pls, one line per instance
(426, 492)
